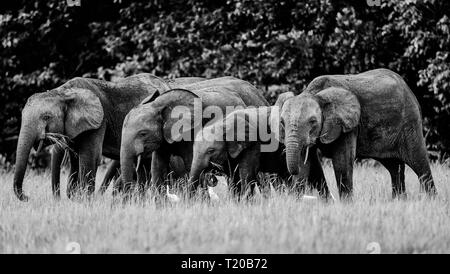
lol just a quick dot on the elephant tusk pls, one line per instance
(306, 156)
(41, 144)
(138, 162)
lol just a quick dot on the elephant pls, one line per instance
(147, 133)
(83, 116)
(242, 142)
(112, 172)
(373, 114)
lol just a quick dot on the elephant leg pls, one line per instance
(235, 186)
(159, 168)
(88, 161)
(182, 163)
(248, 170)
(57, 158)
(299, 181)
(90, 144)
(248, 182)
(72, 182)
(186, 155)
(178, 167)
(117, 186)
(396, 169)
(343, 157)
(423, 171)
(231, 169)
(417, 159)
(144, 176)
(111, 172)
(316, 176)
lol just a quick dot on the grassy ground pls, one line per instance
(279, 224)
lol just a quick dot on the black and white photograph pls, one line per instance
(224, 127)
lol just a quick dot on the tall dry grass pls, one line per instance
(279, 224)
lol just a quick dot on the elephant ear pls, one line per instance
(341, 112)
(177, 110)
(275, 116)
(84, 111)
(239, 127)
(150, 98)
(154, 85)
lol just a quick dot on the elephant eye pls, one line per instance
(210, 151)
(142, 133)
(46, 117)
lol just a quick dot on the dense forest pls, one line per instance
(276, 44)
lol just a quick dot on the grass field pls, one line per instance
(279, 224)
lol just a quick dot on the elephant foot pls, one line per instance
(429, 189)
(192, 190)
(399, 196)
(298, 189)
(102, 190)
(163, 200)
(346, 197)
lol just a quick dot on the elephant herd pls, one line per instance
(136, 123)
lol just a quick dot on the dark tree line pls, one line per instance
(272, 43)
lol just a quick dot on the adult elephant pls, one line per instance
(147, 130)
(88, 114)
(242, 144)
(368, 115)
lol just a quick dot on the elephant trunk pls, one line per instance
(127, 167)
(195, 177)
(292, 156)
(27, 138)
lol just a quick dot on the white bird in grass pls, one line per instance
(312, 198)
(309, 198)
(221, 180)
(172, 197)
(212, 195)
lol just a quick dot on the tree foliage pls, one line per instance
(283, 43)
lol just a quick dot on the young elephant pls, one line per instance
(147, 130)
(369, 115)
(89, 114)
(241, 142)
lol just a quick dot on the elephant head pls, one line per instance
(150, 124)
(308, 118)
(209, 150)
(68, 112)
(228, 137)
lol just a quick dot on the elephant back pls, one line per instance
(248, 93)
(184, 81)
(222, 97)
(145, 81)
